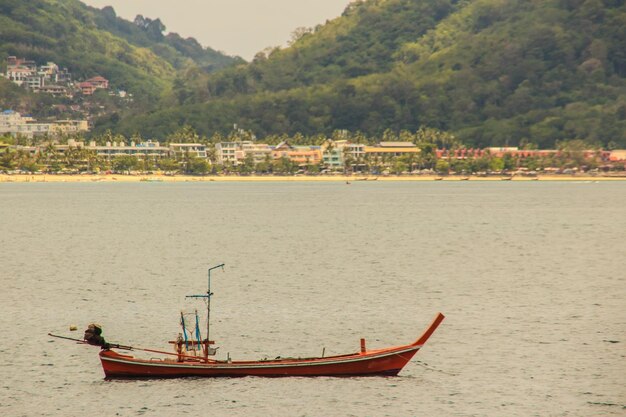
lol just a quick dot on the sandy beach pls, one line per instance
(301, 178)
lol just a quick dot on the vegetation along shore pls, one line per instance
(348, 179)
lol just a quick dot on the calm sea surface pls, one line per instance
(530, 276)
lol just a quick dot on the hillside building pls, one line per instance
(68, 127)
(26, 73)
(13, 123)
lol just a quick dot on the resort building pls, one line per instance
(535, 153)
(391, 149)
(180, 150)
(333, 159)
(236, 152)
(336, 153)
(332, 154)
(617, 155)
(68, 127)
(228, 152)
(460, 153)
(355, 151)
(15, 124)
(260, 152)
(300, 155)
(149, 149)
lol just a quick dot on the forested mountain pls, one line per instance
(493, 72)
(134, 56)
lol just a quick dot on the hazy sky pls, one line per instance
(236, 27)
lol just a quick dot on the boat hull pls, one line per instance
(389, 362)
(122, 366)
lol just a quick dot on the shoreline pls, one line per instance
(270, 178)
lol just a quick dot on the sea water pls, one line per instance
(530, 276)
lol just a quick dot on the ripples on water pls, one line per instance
(529, 275)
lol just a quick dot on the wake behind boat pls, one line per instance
(192, 356)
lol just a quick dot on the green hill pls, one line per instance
(493, 72)
(134, 56)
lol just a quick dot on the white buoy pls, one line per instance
(73, 327)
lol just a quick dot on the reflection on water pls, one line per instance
(529, 275)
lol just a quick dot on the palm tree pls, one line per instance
(47, 155)
(7, 160)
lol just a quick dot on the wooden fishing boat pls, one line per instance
(191, 358)
(388, 361)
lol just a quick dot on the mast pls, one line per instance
(208, 306)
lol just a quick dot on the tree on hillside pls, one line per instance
(185, 134)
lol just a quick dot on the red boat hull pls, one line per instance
(389, 361)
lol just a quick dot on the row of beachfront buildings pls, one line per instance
(50, 78)
(337, 154)
(332, 155)
(148, 149)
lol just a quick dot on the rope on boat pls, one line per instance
(430, 368)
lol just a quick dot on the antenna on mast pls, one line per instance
(208, 306)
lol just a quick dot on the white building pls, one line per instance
(13, 123)
(227, 152)
(68, 127)
(148, 149)
(260, 152)
(236, 152)
(26, 73)
(179, 150)
(335, 153)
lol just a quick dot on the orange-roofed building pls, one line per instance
(87, 88)
(99, 82)
(392, 149)
(301, 155)
(617, 155)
